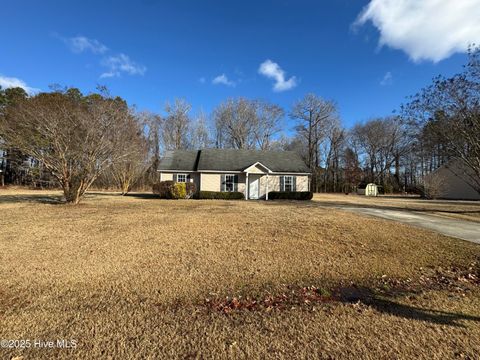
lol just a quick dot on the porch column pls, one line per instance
(246, 186)
(266, 193)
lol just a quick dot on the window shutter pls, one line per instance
(294, 183)
(222, 183)
(189, 178)
(282, 183)
(175, 177)
(235, 183)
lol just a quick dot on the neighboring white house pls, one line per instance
(254, 173)
(453, 182)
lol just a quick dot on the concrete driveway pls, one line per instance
(461, 229)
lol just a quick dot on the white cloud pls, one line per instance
(116, 64)
(273, 71)
(80, 44)
(387, 79)
(121, 64)
(427, 29)
(223, 80)
(11, 82)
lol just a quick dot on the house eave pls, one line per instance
(233, 172)
(177, 171)
(289, 173)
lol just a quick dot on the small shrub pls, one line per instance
(180, 191)
(174, 190)
(287, 195)
(190, 189)
(432, 187)
(235, 195)
(386, 189)
(163, 189)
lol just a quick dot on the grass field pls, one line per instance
(137, 277)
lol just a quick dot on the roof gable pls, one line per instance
(258, 167)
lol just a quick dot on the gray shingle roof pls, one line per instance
(232, 160)
(185, 160)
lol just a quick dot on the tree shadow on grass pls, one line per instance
(359, 297)
(382, 304)
(144, 196)
(47, 199)
(415, 313)
(192, 201)
(42, 199)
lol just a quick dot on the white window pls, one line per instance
(181, 178)
(288, 183)
(229, 183)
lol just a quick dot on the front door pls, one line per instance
(253, 187)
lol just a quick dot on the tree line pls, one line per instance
(68, 139)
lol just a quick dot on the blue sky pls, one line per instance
(151, 51)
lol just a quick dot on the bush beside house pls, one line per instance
(174, 190)
(179, 190)
(432, 187)
(218, 195)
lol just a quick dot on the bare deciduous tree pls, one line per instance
(235, 123)
(382, 142)
(152, 124)
(176, 126)
(247, 124)
(450, 109)
(76, 137)
(353, 172)
(126, 171)
(432, 187)
(313, 115)
(334, 144)
(268, 123)
(200, 135)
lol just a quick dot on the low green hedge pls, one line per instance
(287, 195)
(235, 195)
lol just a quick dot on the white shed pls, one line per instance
(371, 190)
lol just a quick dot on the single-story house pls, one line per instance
(253, 172)
(453, 181)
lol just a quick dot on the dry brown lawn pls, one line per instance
(466, 210)
(137, 277)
